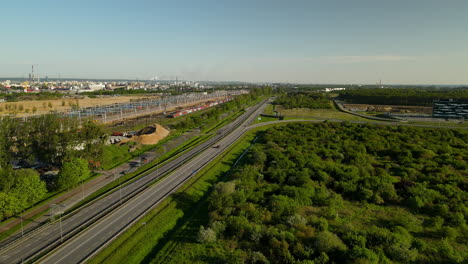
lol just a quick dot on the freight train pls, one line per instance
(192, 109)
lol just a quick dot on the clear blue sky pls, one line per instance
(359, 41)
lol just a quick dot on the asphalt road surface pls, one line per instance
(120, 208)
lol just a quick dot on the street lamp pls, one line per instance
(22, 230)
(61, 230)
(82, 191)
(53, 206)
(120, 189)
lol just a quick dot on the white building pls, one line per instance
(327, 90)
(96, 86)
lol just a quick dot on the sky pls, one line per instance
(296, 41)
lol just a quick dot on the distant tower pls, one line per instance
(32, 73)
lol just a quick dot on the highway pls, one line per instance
(107, 217)
(104, 218)
(99, 235)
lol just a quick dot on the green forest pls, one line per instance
(342, 193)
(310, 100)
(406, 96)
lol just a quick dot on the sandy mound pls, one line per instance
(150, 135)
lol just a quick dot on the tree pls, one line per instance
(28, 188)
(9, 205)
(93, 137)
(72, 173)
(327, 241)
(363, 255)
(206, 235)
(7, 131)
(19, 189)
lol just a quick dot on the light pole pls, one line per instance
(60, 218)
(22, 230)
(61, 230)
(120, 189)
(82, 191)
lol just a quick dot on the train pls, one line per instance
(197, 108)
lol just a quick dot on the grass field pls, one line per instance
(36, 107)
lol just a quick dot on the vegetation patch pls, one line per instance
(336, 193)
(401, 96)
(312, 100)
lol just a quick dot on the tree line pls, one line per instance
(310, 100)
(401, 96)
(343, 193)
(22, 96)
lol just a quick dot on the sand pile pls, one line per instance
(150, 135)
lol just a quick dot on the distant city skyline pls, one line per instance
(349, 42)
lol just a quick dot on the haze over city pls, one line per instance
(398, 42)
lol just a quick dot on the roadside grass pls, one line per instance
(16, 228)
(269, 110)
(233, 116)
(152, 235)
(225, 121)
(262, 119)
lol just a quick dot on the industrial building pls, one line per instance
(450, 109)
